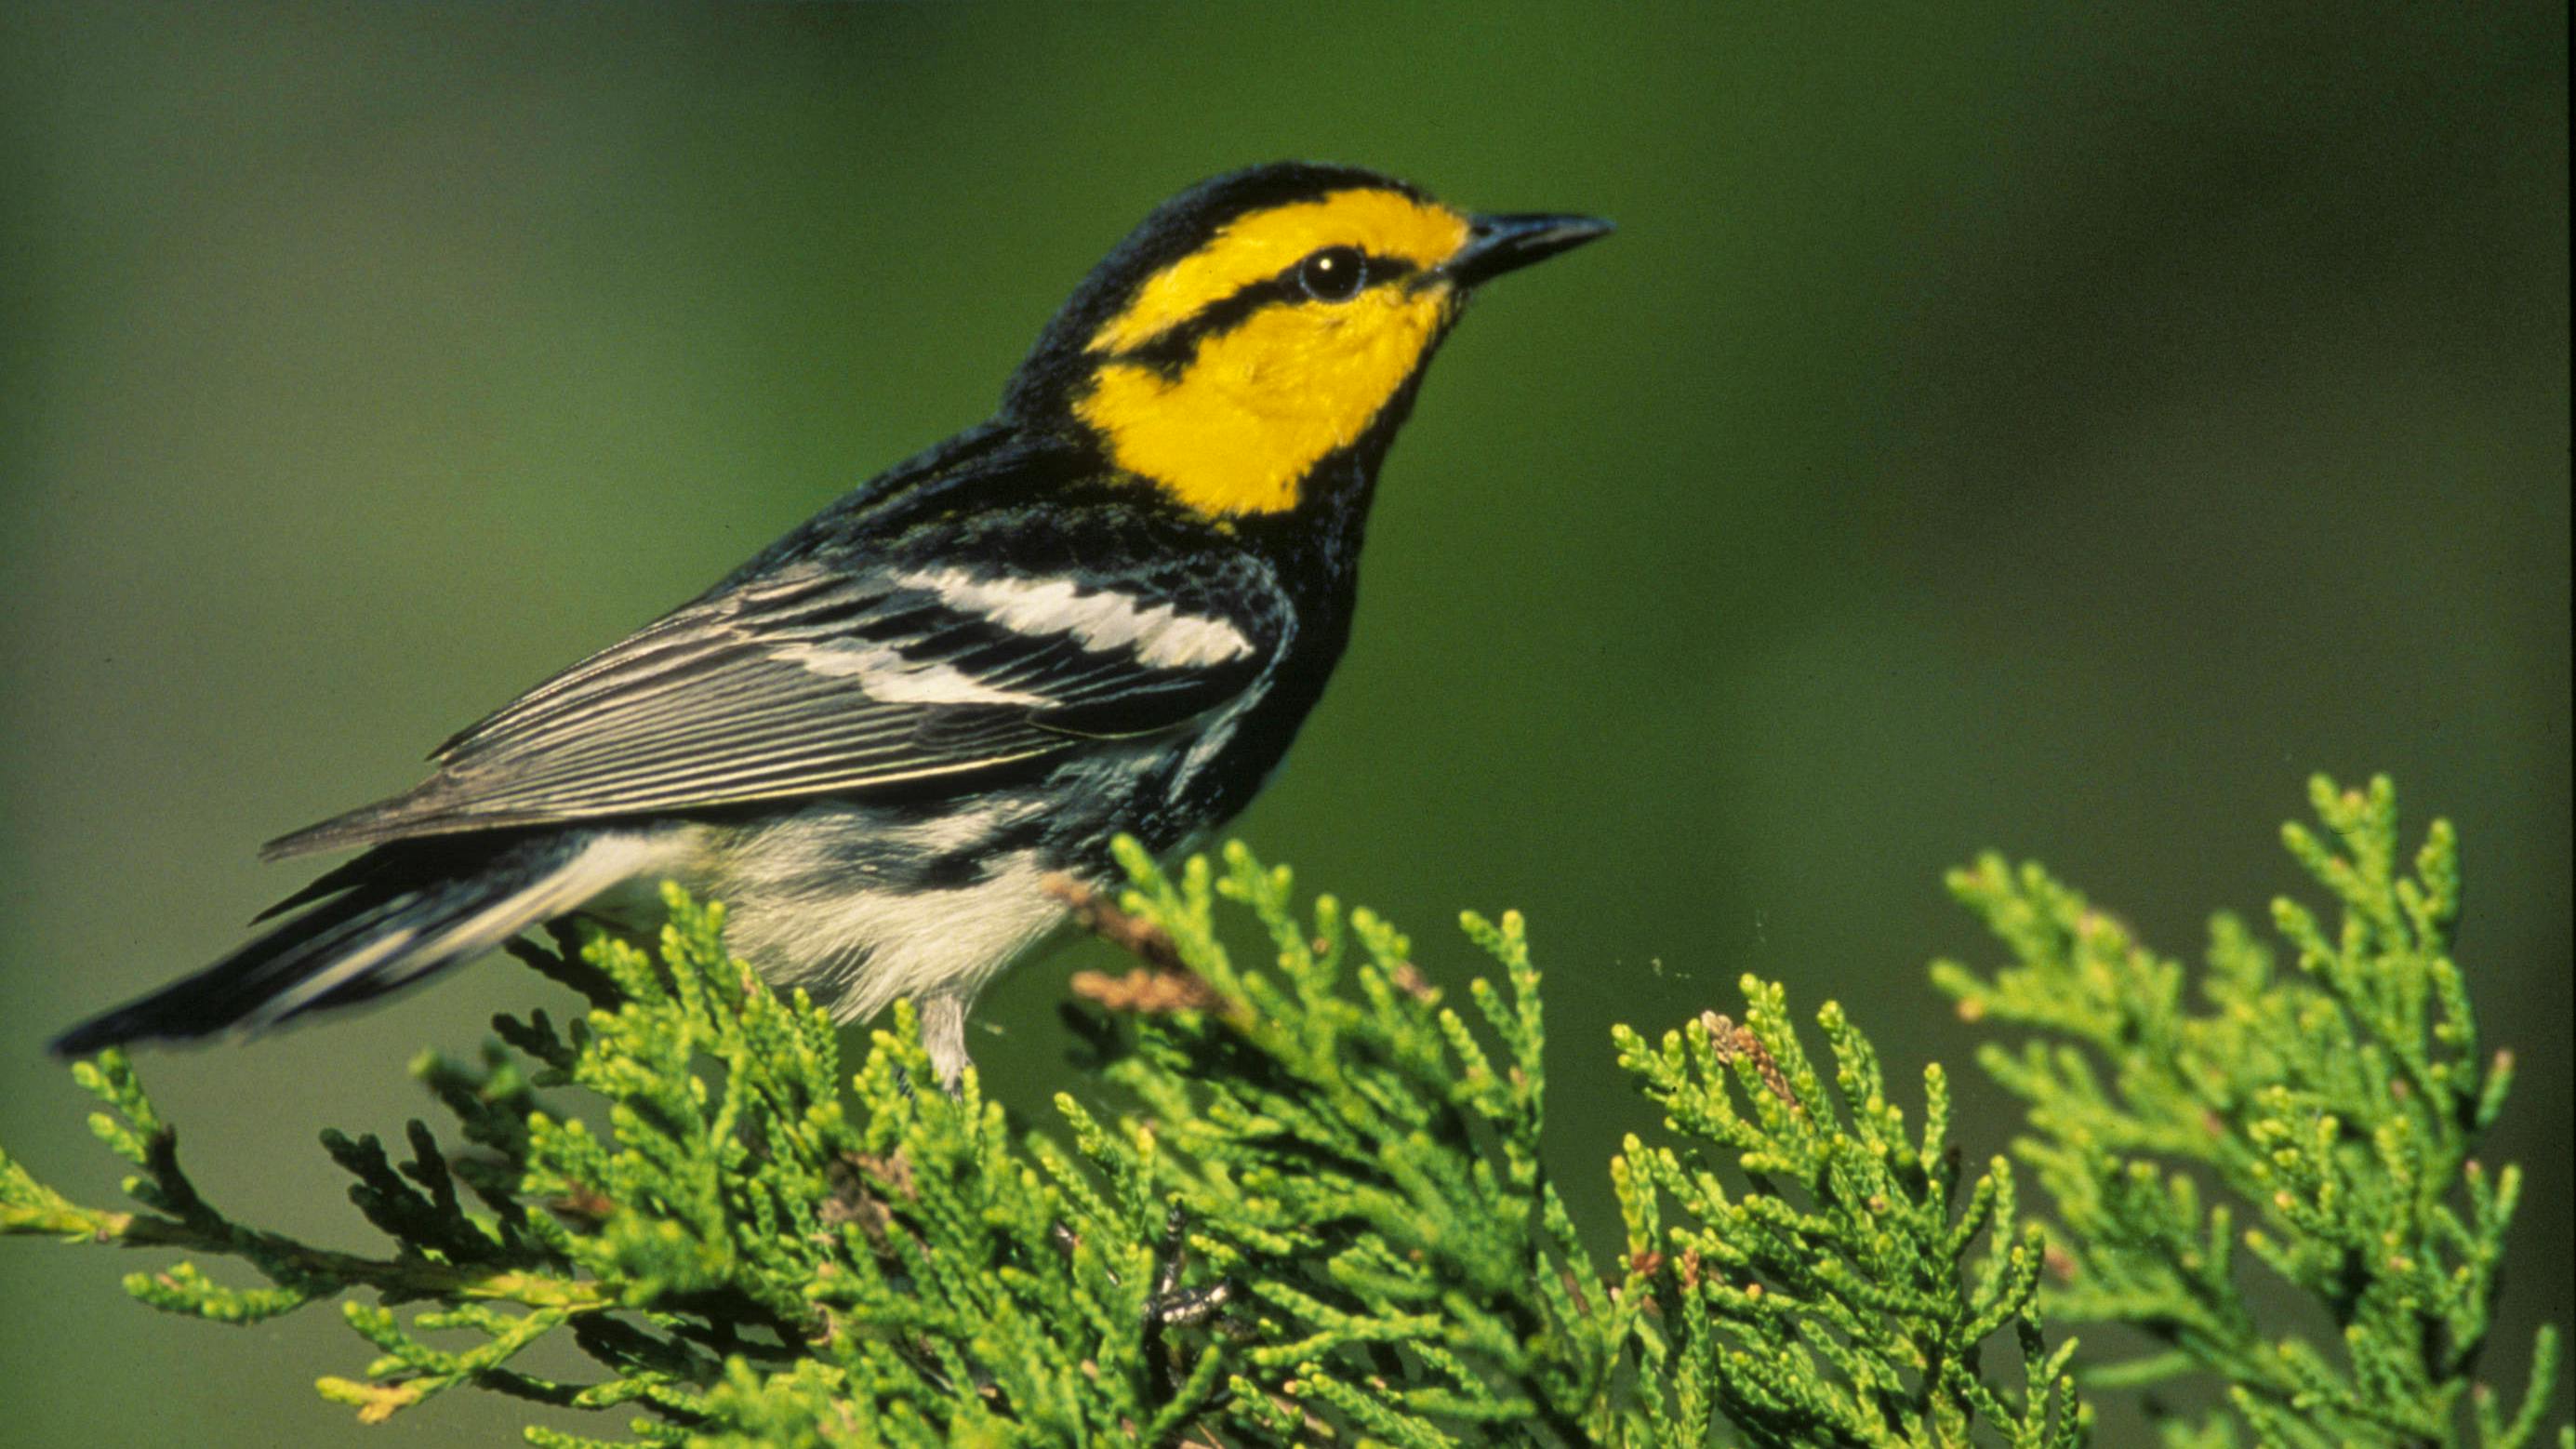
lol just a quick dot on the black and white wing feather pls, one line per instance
(814, 680)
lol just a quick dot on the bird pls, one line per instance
(888, 739)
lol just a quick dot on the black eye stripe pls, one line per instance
(1171, 350)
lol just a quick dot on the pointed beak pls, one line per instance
(1499, 244)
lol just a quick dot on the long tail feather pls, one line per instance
(393, 921)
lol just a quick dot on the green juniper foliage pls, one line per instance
(2334, 1108)
(1319, 1214)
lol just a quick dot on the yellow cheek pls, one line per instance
(1260, 405)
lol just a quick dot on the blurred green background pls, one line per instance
(2052, 428)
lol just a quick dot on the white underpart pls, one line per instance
(608, 861)
(860, 948)
(886, 675)
(1160, 635)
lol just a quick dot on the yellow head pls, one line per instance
(1265, 321)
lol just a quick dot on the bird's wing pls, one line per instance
(814, 680)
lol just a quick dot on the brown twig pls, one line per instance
(1095, 912)
(1151, 992)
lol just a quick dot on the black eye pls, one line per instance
(1334, 274)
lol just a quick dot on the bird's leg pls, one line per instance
(943, 1035)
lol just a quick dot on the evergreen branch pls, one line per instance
(1304, 1200)
(2338, 1109)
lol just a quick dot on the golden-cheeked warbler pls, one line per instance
(1106, 610)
